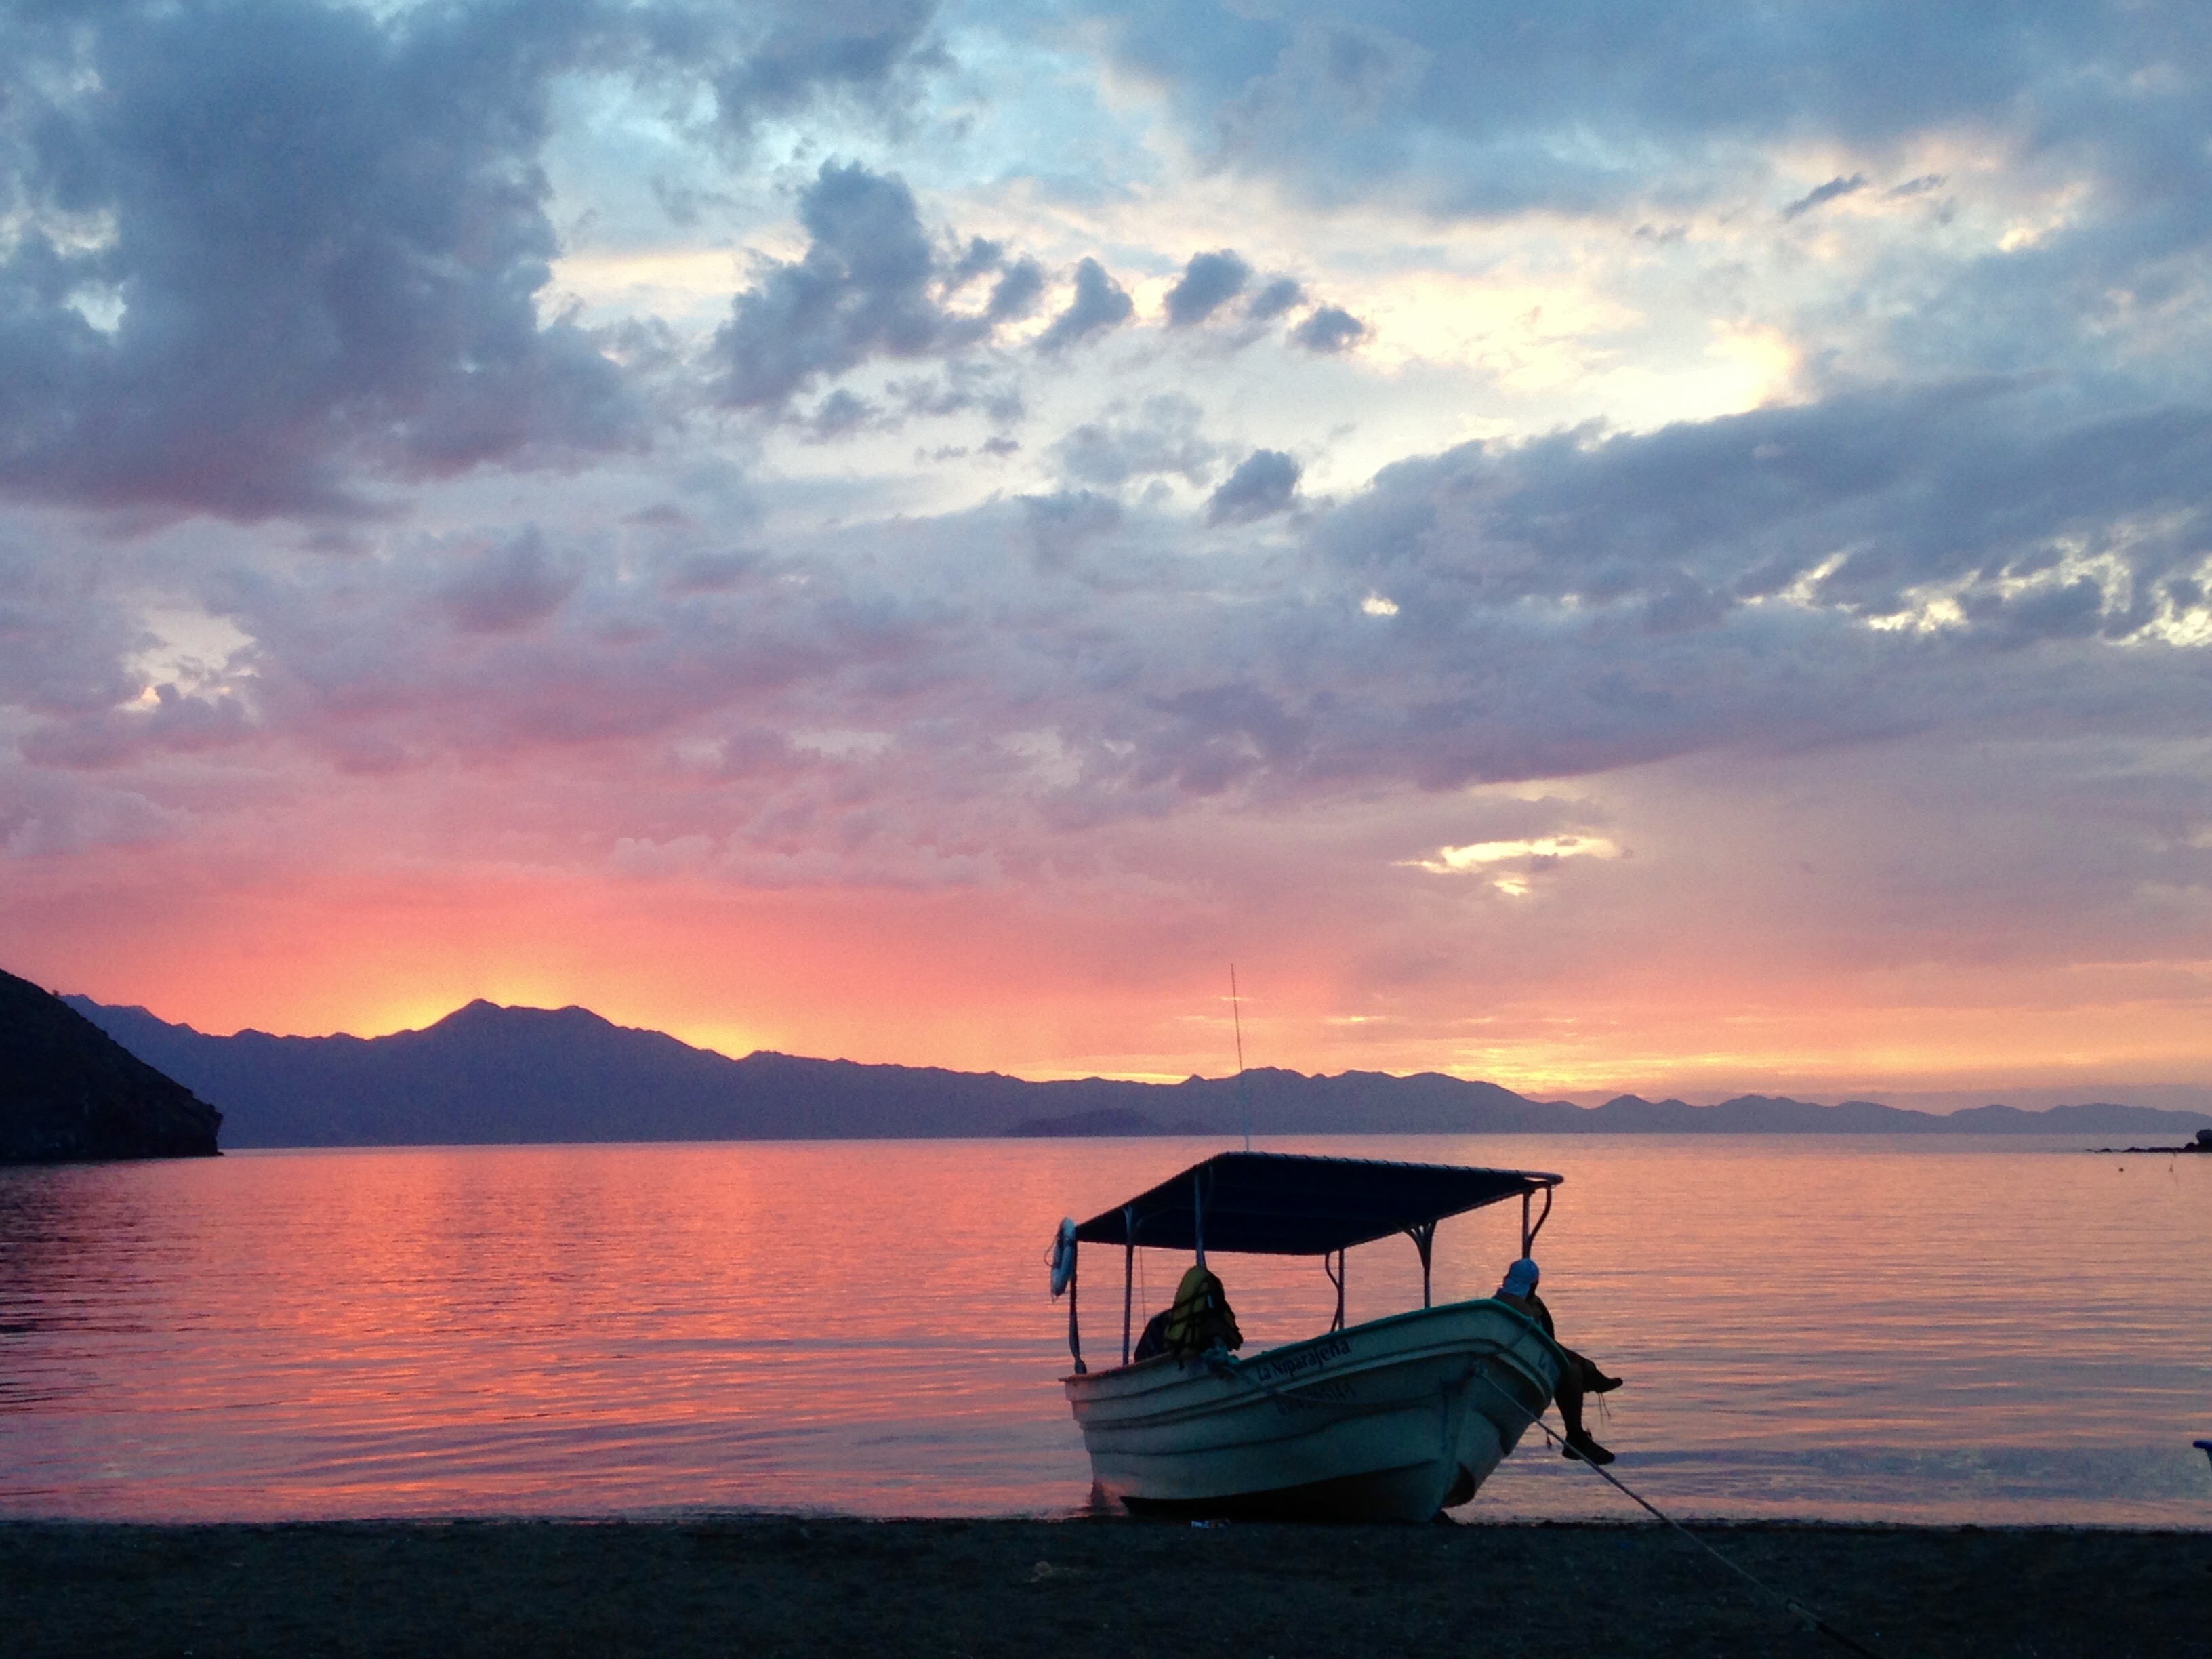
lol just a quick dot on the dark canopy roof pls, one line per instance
(1279, 1204)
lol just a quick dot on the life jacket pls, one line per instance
(1199, 1317)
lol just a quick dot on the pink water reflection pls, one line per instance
(1843, 1327)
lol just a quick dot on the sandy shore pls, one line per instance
(762, 1586)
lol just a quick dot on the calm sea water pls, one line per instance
(1847, 1328)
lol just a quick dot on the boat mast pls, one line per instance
(1244, 1094)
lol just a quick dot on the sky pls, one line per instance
(1593, 546)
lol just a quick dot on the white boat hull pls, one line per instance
(1392, 1421)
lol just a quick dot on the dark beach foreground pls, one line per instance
(763, 1586)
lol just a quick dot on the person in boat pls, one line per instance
(1198, 1318)
(1581, 1376)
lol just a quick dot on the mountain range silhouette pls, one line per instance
(492, 1075)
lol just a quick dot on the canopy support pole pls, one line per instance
(1198, 1215)
(1336, 1278)
(1128, 1274)
(1529, 1240)
(1075, 1332)
(1424, 1239)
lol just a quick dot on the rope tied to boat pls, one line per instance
(1813, 1620)
(1219, 1361)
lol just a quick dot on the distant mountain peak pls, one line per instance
(482, 1013)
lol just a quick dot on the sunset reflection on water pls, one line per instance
(1850, 1329)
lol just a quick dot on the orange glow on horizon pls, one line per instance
(974, 981)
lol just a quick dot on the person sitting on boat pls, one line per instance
(1581, 1376)
(1198, 1318)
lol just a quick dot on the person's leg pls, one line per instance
(1569, 1397)
(1593, 1380)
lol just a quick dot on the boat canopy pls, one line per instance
(1285, 1204)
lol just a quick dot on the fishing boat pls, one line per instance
(1394, 1420)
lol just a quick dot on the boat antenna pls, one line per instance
(1244, 1094)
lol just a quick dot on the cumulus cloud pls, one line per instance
(1263, 484)
(1209, 282)
(1015, 294)
(865, 288)
(873, 285)
(261, 245)
(1100, 303)
(263, 254)
(1279, 296)
(1330, 328)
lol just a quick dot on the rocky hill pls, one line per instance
(70, 1093)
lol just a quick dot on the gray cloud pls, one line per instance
(51, 815)
(717, 572)
(1821, 195)
(1165, 439)
(1015, 294)
(1595, 106)
(1578, 602)
(960, 385)
(865, 288)
(1345, 75)
(176, 723)
(263, 245)
(873, 285)
(1281, 294)
(1263, 484)
(788, 57)
(1100, 303)
(1992, 500)
(840, 415)
(62, 640)
(979, 258)
(1059, 526)
(266, 252)
(1966, 555)
(1209, 282)
(905, 695)
(507, 588)
(1330, 328)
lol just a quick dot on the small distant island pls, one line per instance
(2202, 1144)
(70, 1093)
